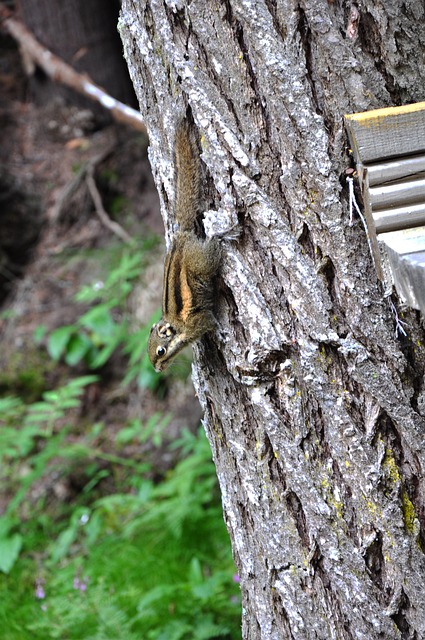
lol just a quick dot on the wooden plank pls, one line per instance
(397, 194)
(413, 271)
(383, 172)
(406, 241)
(387, 133)
(406, 255)
(400, 218)
(389, 149)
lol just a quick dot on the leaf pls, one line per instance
(75, 451)
(99, 320)
(10, 408)
(195, 572)
(9, 551)
(127, 434)
(206, 629)
(76, 349)
(147, 378)
(163, 592)
(39, 333)
(63, 543)
(6, 524)
(56, 402)
(175, 630)
(103, 355)
(58, 341)
(77, 384)
(94, 528)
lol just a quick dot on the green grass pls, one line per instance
(138, 561)
(156, 564)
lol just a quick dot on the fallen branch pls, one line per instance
(86, 174)
(100, 210)
(72, 187)
(60, 71)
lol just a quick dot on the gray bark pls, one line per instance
(313, 405)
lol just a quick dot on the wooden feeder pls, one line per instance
(389, 151)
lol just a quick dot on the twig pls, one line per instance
(97, 200)
(60, 71)
(353, 201)
(86, 173)
(66, 194)
(73, 186)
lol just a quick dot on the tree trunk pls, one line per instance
(313, 404)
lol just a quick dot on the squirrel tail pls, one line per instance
(188, 177)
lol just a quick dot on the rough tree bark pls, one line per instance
(314, 407)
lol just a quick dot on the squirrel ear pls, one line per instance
(165, 330)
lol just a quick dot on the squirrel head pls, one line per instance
(164, 344)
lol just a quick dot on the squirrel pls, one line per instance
(191, 265)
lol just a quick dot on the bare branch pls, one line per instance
(87, 174)
(100, 210)
(59, 71)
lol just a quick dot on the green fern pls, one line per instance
(150, 560)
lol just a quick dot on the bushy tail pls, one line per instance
(188, 177)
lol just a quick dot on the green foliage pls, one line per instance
(24, 374)
(145, 559)
(34, 422)
(155, 564)
(104, 328)
(37, 419)
(10, 546)
(137, 432)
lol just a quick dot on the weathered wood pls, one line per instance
(396, 194)
(81, 33)
(401, 218)
(386, 133)
(392, 170)
(59, 71)
(406, 253)
(393, 192)
(314, 410)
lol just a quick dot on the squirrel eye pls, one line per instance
(161, 351)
